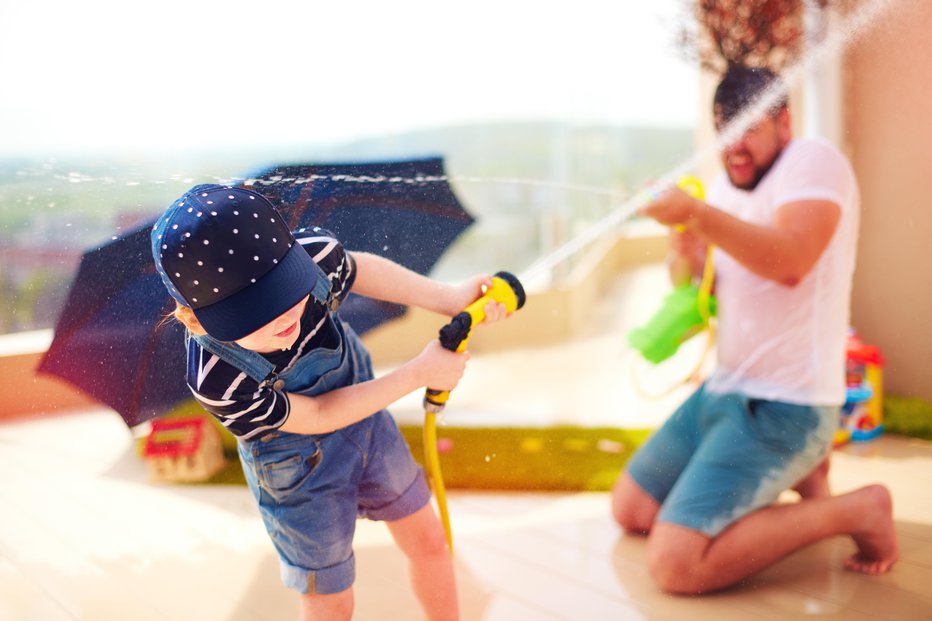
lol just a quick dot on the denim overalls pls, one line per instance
(311, 488)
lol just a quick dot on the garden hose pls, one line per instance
(506, 289)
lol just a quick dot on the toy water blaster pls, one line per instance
(686, 311)
(506, 289)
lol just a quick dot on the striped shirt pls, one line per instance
(234, 398)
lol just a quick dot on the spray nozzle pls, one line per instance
(506, 289)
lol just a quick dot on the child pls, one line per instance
(294, 384)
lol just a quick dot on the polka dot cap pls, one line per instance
(216, 243)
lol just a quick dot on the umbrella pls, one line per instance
(114, 339)
(405, 211)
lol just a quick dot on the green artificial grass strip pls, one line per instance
(514, 459)
(908, 416)
(562, 458)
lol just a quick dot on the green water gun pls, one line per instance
(678, 320)
(686, 311)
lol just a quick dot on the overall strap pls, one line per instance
(322, 289)
(249, 362)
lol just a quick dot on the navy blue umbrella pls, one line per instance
(115, 339)
(405, 211)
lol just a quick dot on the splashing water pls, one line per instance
(846, 31)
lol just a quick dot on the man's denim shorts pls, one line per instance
(311, 489)
(721, 456)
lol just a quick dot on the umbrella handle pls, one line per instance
(506, 289)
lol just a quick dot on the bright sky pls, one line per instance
(118, 74)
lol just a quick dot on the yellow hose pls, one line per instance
(506, 289)
(432, 461)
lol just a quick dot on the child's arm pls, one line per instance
(434, 366)
(382, 279)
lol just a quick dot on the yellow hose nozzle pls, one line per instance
(506, 289)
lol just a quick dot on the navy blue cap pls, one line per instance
(227, 254)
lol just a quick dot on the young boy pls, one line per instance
(294, 384)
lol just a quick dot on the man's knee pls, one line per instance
(632, 507)
(674, 574)
(674, 560)
(630, 520)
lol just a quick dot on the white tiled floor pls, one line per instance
(85, 536)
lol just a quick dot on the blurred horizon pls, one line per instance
(544, 114)
(86, 78)
(531, 186)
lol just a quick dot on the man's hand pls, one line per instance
(687, 243)
(687, 257)
(673, 207)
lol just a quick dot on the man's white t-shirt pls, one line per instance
(778, 342)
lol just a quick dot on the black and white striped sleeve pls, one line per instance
(234, 398)
(332, 258)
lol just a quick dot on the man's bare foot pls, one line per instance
(878, 548)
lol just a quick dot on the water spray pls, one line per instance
(844, 33)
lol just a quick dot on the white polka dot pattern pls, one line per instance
(202, 260)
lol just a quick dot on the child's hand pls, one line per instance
(462, 295)
(439, 368)
(494, 311)
(471, 290)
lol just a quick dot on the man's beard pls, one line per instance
(759, 173)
